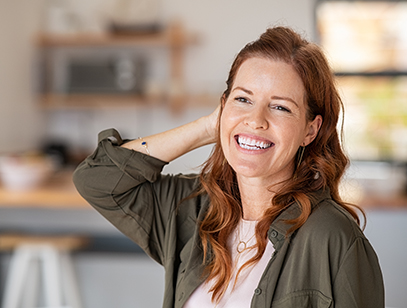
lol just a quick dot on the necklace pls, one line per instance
(244, 228)
(242, 245)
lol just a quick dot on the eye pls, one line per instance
(242, 99)
(281, 108)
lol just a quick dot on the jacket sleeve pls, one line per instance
(359, 281)
(127, 188)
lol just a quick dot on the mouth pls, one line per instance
(252, 144)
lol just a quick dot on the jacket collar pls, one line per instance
(278, 230)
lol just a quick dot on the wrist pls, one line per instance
(210, 129)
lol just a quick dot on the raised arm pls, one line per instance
(126, 186)
(176, 142)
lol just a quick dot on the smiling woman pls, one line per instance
(265, 107)
(263, 224)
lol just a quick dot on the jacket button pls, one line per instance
(257, 291)
(274, 233)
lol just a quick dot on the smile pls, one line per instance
(252, 144)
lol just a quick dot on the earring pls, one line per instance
(301, 154)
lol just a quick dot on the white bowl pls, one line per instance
(19, 174)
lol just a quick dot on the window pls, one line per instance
(366, 43)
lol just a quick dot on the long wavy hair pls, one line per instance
(322, 166)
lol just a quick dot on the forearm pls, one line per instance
(176, 142)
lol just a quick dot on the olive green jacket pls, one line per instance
(328, 262)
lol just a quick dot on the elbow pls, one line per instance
(79, 178)
(96, 184)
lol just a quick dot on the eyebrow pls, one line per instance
(285, 98)
(243, 89)
(274, 97)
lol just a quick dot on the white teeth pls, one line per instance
(251, 144)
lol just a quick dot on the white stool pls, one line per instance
(41, 273)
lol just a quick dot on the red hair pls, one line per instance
(322, 166)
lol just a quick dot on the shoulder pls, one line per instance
(331, 226)
(329, 217)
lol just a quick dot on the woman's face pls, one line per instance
(263, 122)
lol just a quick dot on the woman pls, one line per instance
(263, 225)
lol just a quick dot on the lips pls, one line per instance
(252, 144)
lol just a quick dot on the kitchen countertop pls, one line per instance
(56, 208)
(57, 191)
(382, 202)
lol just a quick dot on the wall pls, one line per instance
(227, 25)
(20, 119)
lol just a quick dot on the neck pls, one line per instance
(256, 197)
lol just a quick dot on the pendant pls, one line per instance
(241, 247)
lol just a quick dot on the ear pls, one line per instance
(312, 130)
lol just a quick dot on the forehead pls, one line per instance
(272, 77)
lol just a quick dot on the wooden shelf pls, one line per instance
(92, 101)
(171, 37)
(106, 101)
(174, 38)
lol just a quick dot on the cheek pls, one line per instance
(227, 125)
(225, 122)
(231, 117)
(223, 133)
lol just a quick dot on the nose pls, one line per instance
(256, 119)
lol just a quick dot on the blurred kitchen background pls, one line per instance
(71, 68)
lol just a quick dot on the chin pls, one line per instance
(248, 171)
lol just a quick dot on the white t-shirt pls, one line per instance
(241, 295)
